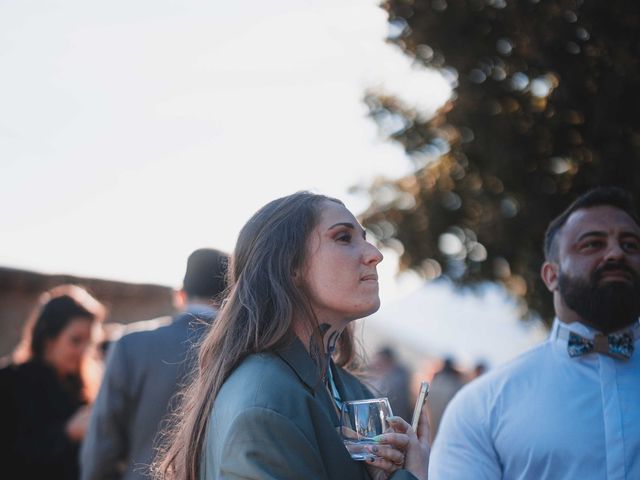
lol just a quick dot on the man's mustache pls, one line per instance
(616, 267)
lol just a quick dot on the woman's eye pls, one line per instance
(344, 237)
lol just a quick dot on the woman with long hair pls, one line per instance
(48, 387)
(264, 401)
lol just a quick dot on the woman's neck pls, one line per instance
(329, 335)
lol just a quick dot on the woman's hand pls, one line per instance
(402, 449)
(77, 425)
(418, 449)
(388, 456)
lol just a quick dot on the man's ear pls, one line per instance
(179, 299)
(550, 273)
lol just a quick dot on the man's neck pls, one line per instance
(597, 328)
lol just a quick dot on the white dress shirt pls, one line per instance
(545, 415)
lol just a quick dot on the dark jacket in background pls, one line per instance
(35, 407)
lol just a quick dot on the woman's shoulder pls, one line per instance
(266, 380)
(27, 381)
(33, 377)
(262, 374)
(30, 371)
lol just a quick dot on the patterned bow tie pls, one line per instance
(617, 345)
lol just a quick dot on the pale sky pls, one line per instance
(132, 133)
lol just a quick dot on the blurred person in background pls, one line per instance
(445, 384)
(480, 368)
(391, 379)
(145, 368)
(48, 387)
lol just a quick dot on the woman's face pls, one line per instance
(340, 274)
(65, 352)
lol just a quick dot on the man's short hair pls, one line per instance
(609, 196)
(206, 275)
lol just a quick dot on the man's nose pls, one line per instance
(614, 252)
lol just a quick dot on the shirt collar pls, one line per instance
(576, 327)
(200, 310)
(582, 330)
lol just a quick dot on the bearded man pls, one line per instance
(570, 407)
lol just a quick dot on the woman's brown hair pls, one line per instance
(257, 316)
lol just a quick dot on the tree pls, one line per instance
(546, 105)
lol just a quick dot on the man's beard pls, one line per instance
(607, 307)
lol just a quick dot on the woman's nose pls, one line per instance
(373, 256)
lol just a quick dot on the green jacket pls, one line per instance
(274, 419)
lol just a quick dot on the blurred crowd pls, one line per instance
(390, 377)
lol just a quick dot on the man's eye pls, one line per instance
(591, 245)
(631, 246)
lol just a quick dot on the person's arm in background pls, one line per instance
(104, 449)
(42, 442)
(463, 446)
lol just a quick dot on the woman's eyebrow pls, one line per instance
(348, 225)
(342, 224)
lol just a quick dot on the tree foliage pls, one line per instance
(545, 106)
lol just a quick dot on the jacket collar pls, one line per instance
(297, 357)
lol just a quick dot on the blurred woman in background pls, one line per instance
(49, 386)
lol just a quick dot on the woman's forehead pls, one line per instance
(334, 212)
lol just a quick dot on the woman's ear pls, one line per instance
(550, 273)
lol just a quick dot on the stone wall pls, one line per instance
(126, 302)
